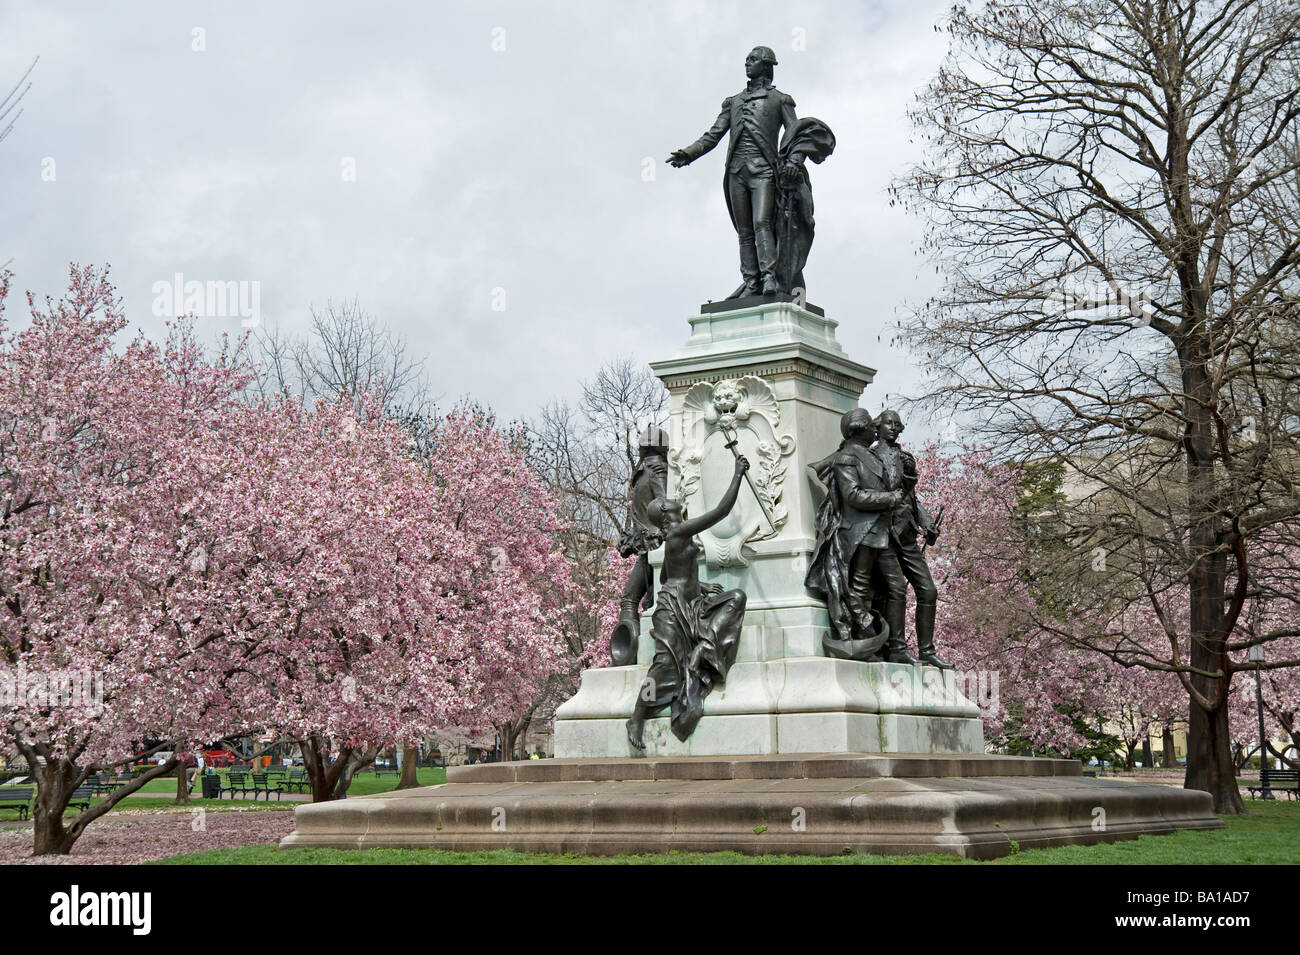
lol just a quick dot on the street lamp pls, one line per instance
(1257, 658)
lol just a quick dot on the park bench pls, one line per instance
(297, 781)
(103, 783)
(17, 797)
(235, 783)
(1279, 780)
(81, 796)
(262, 784)
(386, 769)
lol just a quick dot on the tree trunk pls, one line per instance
(54, 787)
(1239, 756)
(1209, 743)
(1209, 759)
(182, 784)
(1147, 759)
(410, 765)
(323, 773)
(355, 760)
(506, 732)
(1167, 756)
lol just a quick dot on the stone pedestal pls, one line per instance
(976, 807)
(769, 373)
(797, 753)
(783, 704)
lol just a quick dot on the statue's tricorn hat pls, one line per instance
(653, 439)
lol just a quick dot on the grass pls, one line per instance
(161, 794)
(1268, 834)
(363, 784)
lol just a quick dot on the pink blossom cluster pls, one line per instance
(989, 620)
(229, 566)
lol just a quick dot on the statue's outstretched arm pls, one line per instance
(695, 150)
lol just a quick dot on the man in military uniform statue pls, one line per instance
(853, 561)
(908, 519)
(755, 117)
(648, 484)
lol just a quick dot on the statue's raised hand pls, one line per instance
(742, 464)
(678, 159)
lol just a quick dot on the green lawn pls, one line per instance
(363, 784)
(1268, 834)
(367, 784)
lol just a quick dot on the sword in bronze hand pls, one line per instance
(732, 440)
(938, 519)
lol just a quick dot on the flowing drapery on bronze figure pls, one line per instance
(696, 627)
(765, 182)
(811, 139)
(648, 484)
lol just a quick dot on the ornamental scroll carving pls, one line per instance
(745, 409)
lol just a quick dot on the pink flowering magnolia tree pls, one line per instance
(214, 567)
(518, 586)
(1063, 652)
(122, 616)
(1027, 678)
(1278, 687)
(432, 592)
(1016, 672)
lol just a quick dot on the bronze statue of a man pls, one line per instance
(853, 565)
(908, 519)
(764, 181)
(648, 484)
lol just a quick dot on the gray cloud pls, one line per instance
(476, 169)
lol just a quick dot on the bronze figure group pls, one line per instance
(696, 627)
(867, 553)
(866, 556)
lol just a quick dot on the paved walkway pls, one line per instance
(131, 836)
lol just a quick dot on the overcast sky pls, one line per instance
(496, 146)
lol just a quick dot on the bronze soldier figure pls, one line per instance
(908, 519)
(648, 484)
(853, 561)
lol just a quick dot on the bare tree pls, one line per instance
(346, 352)
(586, 453)
(1113, 200)
(11, 101)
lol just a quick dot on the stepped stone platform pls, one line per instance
(972, 806)
(797, 752)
